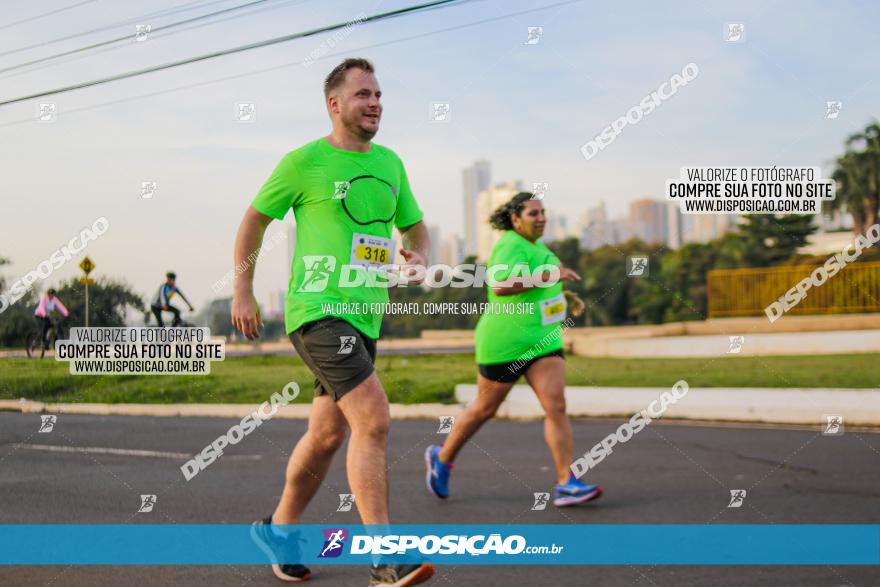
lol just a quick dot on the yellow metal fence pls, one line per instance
(746, 292)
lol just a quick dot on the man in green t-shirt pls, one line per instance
(346, 193)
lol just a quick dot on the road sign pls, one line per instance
(87, 265)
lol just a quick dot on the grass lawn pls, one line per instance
(417, 379)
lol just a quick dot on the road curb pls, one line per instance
(291, 411)
(859, 407)
(724, 404)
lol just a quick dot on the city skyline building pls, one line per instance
(487, 202)
(475, 179)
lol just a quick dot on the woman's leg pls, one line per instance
(490, 394)
(547, 378)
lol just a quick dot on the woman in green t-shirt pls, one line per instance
(521, 334)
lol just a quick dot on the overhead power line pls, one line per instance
(154, 37)
(129, 21)
(248, 47)
(236, 76)
(45, 14)
(130, 36)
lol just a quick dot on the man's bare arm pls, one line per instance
(245, 311)
(416, 244)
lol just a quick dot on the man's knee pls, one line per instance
(375, 428)
(366, 409)
(328, 440)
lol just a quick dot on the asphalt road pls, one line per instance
(666, 474)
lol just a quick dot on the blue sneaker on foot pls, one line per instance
(574, 492)
(437, 478)
(280, 550)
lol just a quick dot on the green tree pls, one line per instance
(568, 250)
(678, 291)
(571, 256)
(766, 239)
(217, 315)
(612, 296)
(857, 173)
(406, 325)
(17, 320)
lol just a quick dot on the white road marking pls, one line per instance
(123, 451)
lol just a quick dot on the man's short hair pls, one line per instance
(337, 76)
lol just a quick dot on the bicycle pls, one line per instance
(182, 324)
(35, 339)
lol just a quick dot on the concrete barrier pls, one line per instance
(760, 344)
(793, 335)
(781, 406)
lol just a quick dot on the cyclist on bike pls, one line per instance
(48, 303)
(162, 301)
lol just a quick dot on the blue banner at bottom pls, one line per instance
(525, 544)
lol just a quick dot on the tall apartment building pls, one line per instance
(702, 228)
(487, 201)
(674, 225)
(556, 228)
(648, 220)
(475, 179)
(594, 227)
(434, 244)
(452, 250)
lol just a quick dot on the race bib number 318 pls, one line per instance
(371, 251)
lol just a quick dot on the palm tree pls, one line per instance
(858, 178)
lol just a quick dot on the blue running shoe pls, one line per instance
(574, 492)
(280, 549)
(437, 478)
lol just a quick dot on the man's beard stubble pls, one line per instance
(357, 130)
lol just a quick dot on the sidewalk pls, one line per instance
(292, 411)
(859, 407)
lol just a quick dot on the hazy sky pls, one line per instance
(526, 108)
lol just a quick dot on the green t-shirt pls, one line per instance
(513, 336)
(344, 203)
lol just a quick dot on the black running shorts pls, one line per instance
(340, 356)
(510, 372)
